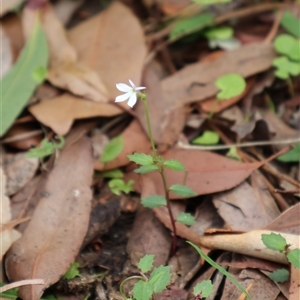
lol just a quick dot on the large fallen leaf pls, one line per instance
(207, 173)
(60, 112)
(59, 223)
(19, 83)
(111, 43)
(7, 5)
(65, 70)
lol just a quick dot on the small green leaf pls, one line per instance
(280, 275)
(39, 74)
(154, 201)
(142, 290)
(160, 278)
(185, 218)
(285, 67)
(274, 241)
(208, 137)
(18, 84)
(116, 173)
(287, 45)
(72, 271)
(10, 294)
(190, 25)
(232, 153)
(290, 23)
(119, 185)
(294, 257)
(174, 164)
(203, 289)
(220, 33)
(112, 149)
(182, 190)
(291, 156)
(141, 159)
(146, 169)
(231, 85)
(146, 263)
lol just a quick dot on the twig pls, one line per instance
(21, 283)
(274, 28)
(182, 145)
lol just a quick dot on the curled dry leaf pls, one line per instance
(59, 223)
(65, 70)
(111, 43)
(60, 112)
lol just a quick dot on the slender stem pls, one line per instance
(169, 210)
(149, 127)
(127, 279)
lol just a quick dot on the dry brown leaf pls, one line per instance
(19, 169)
(294, 290)
(7, 5)
(111, 43)
(241, 202)
(207, 173)
(65, 70)
(59, 223)
(135, 140)
(60, 112)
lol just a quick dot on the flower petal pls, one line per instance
(139, 88)
(123, 87)
(132, 100)
(123, 97)
(132, 84)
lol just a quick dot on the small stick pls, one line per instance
(21, 283)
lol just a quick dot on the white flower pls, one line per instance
(130, 92)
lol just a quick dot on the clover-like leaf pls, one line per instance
(154, 201)
(182, 190)
(287, 45)
(141, 159)
(146, 263)
(203, 289)
(280, 275)
(208, 137)
(185, 218)
(119, 185)
(146, 169)
(112, 149)
(274, 241)
(174, 164)
(291, 23)
(285, 67)
(231, 85)
(160, 278)
(294, 257)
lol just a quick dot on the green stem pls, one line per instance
(174, 243)
(149, 128)
(127, 279)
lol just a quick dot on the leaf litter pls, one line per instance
(62, 210)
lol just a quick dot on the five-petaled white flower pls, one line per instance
(130, 92)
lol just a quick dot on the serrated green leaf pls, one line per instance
(146, 169)
(190, 25)
(146, 263)
(185, 218)
(160, 278)
(141, 159)
(174, 164)
(203, 289)
(287, 45)
(154, 201)
(116, 173)
(112, 149)
(294, 257)
(231, 85)
(119, 185)
(73, 271)
(208, 137)
(291, 156)
(182, 190)
(18, 84)
(280, 275)
(142, 290)
(274, 241)
(220, 33)
(291, 23)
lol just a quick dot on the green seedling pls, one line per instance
(203, 289)
(19, 83)
(46, 148)
(291, 156)
(117, 186)
(277, 242)
(73, 271)
(112, 149)
(208, 137)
